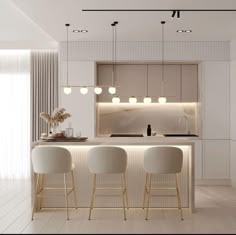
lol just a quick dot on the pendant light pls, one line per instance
(116, 99)
(84, 90)
(112, 89)
(162, 98)
(147, 99)
(67, 89)
(132, 99)
(98, 90)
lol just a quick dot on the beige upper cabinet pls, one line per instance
(171, 82)
(104, 78)
(189, 83)
(131, 81)
(179, 82)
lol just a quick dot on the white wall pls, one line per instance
(82, 107)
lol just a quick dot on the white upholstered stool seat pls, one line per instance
(162, 160)
(52, 160)
(108, 160)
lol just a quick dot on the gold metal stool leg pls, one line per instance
(145, 191)
(178, 196)
(41, 189)
(35, 197)
(123, 196)
(93, 196)
(125, 191)
(74, 189)
(66, 196)
(149, 194)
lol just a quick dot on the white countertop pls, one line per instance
(147, 140)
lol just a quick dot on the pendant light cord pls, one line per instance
(147, 79)
(163, 49)
(113, 58)
(114, 55)
(67, 54)
(114, 51)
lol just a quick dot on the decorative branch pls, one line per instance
(58, 115)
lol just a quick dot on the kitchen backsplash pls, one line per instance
(134, 118)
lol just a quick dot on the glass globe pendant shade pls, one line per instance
(98, 90)
(116, 100)
(83, 90)
(132, 99)
(147, 100)
(112, 90)
(67, 90)
(162, 99)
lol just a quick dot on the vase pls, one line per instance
(54, 128)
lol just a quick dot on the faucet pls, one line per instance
(186, 123)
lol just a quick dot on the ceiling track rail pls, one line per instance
(203, 10)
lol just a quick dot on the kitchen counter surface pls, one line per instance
(147, 140)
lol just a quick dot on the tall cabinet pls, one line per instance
(216, 119)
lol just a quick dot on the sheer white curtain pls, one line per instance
(14, 114)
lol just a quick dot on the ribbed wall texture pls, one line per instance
(150, 51)
(44, 86)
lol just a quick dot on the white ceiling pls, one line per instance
(44, 20)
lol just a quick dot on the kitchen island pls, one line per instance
(135, 173)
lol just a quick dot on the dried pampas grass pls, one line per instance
(58, 115)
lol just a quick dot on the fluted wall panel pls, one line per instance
(146, 51)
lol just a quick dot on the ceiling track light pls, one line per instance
(178, 14)
(174, 13)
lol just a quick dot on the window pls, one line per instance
(15, 114)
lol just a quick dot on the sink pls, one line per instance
(126, 135)
(180, 135)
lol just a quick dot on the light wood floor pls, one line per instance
(215, 213)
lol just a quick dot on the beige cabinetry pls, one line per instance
(171, 82)
(104, 78)
(179, 83)
(131, 81)
(189, 83)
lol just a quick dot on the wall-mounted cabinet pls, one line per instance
(171, 84)
(180, 81)
(189, 83)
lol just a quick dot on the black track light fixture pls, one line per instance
(178, 14)
(174, 13)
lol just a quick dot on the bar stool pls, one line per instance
(108, 160)
(162, 160)
(52, 160)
